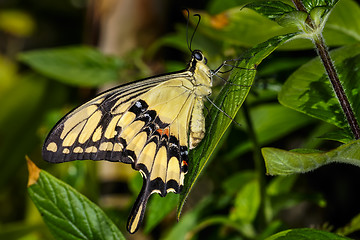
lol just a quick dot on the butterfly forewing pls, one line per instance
(145, 123)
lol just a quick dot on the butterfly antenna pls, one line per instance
(227, 115)
(196, 27)
(187, 29)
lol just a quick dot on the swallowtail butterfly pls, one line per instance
(150, 124)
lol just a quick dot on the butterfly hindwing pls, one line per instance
(120, 126)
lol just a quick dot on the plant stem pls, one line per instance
(332, 74)
(339, 90)
(300, 6)
(259, 166)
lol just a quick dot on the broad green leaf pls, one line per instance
(343, 25)
(158, 208)
(67, 213)
(342, 136)
(243, 27)
(306, 234)
(271, 9)
(282, 122)
(272, 121)
(281, 162)
(308, 89)
(247, 202)
(230, 100)
(79, 66)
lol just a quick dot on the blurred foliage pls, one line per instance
(233, 198)
(17, 23)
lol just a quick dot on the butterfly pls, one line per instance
(150, 124)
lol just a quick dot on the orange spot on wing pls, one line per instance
(163, 131)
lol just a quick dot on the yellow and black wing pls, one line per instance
(143, 123)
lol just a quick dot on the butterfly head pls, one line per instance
(201, 72)
(198, 56)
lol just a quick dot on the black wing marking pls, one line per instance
(79, 135)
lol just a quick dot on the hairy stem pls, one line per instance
(332, 74)
(339, 90)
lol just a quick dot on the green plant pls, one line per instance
(234, 199)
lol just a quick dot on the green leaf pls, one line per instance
(158, 208)
(242, 27)
(232, 184)
(308, 89)
(283, 121)
(306, 234)
(271, 9)
(79, 66)
(247, 202)
(188, 222)
(245, 27)
(67, 213)
(311, 4)
(319, 15)
(230, 100)
(246, 230)
(342, 136)
(352, 227)
(293, 19)
(343, 25)
(281, 185)
(281, 162)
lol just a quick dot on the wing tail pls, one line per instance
(138, 210)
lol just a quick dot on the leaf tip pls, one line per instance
(34, 171)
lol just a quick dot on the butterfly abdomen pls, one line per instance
(197, 124)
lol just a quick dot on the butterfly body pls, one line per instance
(150, 124)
